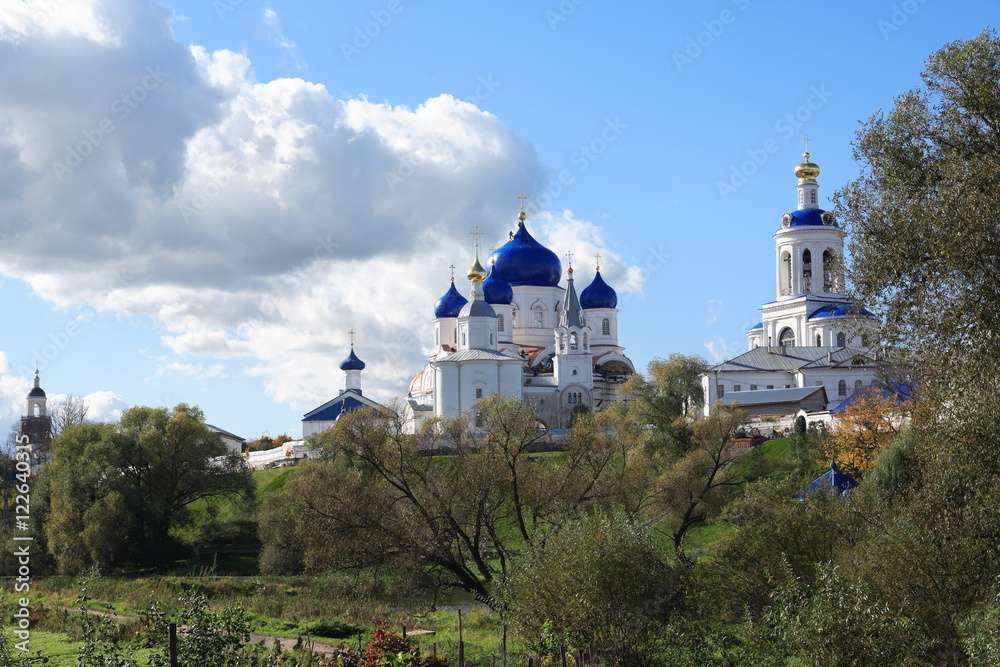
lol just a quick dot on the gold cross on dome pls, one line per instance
(493, 249)
(597, 256)
(452, 267)
(805, 144)
(352, 332)
(476, 234)
(522, 198)
(569, 256)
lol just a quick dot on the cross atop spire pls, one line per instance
(597, 257)
(805, 147)
(352, 333)
(452, 267)
(522, 198)
(476, 234)
(493, 249)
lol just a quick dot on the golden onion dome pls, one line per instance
(477, 273)
(807, 171)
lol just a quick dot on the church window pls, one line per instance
(842, 388)
(479, 392)
(606, 327)
(830, 282)
(802, 197)
(858, 361)
(787, 338)
(720, 391)
(841, 339)
(770, 386)
(574, 371)
(456, 336)
(753, 387)
(500, 323)
(786, 273)
(463, 339)
(807, 270)
(812, 197)
(574, 343)
(858, 384)
(586, 342)
(819, 340)
(737, 387)
(491, 339)
(538, 317)
(480, 422)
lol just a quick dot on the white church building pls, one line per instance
(521, 334)
(810, 336)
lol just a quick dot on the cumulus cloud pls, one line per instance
(714, 307)
(254, 220)
(718, 349)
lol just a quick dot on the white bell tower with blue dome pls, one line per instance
(810, 307)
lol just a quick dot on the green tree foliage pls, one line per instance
(666, 397)
(599, 580)
(376, 497)
(117, 490)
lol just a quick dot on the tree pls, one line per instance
(67, 412)
(600, 579)
(665, 398)
(117, 490)
(378, 497)
(871, 422)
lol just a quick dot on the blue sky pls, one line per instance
(262, 177)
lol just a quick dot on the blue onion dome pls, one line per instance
(598, 294)
(496, 290)
(352, 363)
(525, 261)
(450, 305)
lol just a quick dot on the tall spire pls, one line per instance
(807, 172)
(570, 315)
(477, 273)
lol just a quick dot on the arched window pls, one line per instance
(500, 323)
(830, 282)
(841, 339)
(538, 317)
(842, 388)
(858, 384)
(787, 338)
(786, 273)
(606, 327)
(819, 340)
(463, 339)
(586, 342)
(574, 371)
(812, 197)
(574, 343)
(807, 270)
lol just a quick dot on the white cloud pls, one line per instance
(254, 220)
(718, 349)
(714, 307)
(196, 371)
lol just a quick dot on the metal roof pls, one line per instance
(767, 396)
(792, 359)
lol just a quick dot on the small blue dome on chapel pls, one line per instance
(450, 305)
(352, 363)
(598, 294)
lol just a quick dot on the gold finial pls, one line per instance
(521, 216)
(352, 332)
(477, 273)
(807, 171)
(452, 267)
(597, 257)
(569, 256)
(493, 259)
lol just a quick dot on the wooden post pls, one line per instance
(172, 646)
(461, 644)
(404, 632)
(505, 646)
(434, 649)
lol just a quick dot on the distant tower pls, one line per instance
(37, 426)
